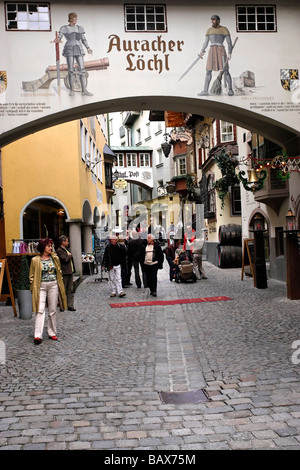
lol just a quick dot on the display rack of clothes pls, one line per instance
(24, 246)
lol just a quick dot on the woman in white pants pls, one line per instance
(46, 284)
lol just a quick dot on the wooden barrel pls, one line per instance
(230, 235)
(229, 256)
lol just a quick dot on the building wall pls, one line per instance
(49, 164)
(144, 68)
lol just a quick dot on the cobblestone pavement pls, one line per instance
(98, 386)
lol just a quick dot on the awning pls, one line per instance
(107, 152)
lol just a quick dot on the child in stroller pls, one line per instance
(183, 268)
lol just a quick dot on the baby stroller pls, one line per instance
(184, 270)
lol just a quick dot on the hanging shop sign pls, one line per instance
(120, 184)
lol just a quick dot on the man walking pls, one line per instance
(67, 267)
(114, 257)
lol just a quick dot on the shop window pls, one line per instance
(27, 16)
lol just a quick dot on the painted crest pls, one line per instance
(289, 79)
(3, 81)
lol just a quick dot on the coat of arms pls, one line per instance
(3, 81)
(289, 79)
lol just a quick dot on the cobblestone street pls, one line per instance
(98, 386)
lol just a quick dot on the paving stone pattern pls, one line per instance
(98, 386)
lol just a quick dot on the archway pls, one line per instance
(43, 216)
(266, 232)
(274, 130)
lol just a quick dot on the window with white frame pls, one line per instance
(27, 16)
(145, 18)
(256, 18)
(148, 131)
(120, 159)
(144, 159)
(99, 165)
(181, 166)
(159, 156)
(211, 193)
(83, 132)
(226, 131)
(138, 135)
(111, 127)
(131, 159)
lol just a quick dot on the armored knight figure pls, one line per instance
(217, 59)
(73, 51)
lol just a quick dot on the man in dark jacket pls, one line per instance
(67, 267)
(114, 257)
(136, 256)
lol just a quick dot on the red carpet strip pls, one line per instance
(169, 302)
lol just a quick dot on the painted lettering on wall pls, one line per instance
(137, 60)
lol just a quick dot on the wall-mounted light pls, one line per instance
(258, 223)
(115, 176)
(90, 166)
(290, 220)
(166, 146)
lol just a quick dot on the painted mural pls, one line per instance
(100, 53)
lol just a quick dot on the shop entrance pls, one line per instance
(44, 218)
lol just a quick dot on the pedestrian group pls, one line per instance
(51, 273)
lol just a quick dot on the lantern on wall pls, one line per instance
(258, 223)
(166, 146)
(290, 220)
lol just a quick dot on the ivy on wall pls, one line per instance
(227, 164)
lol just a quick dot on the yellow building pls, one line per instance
(57, 181)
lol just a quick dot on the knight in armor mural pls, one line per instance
(73, 51)
(217, 59)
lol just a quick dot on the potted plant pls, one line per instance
(23, 290)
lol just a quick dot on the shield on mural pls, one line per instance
(3, 81)
(289, 79)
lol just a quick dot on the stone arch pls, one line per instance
(96, 216)
(36, 199)
(267, 233)
(276, 131)
(87, 216)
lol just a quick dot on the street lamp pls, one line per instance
(292, 257)
(166, 146)
(258, 223)
(260, 273)
(290, 220)
(115, 176)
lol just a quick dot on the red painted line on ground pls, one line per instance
(169, 302)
